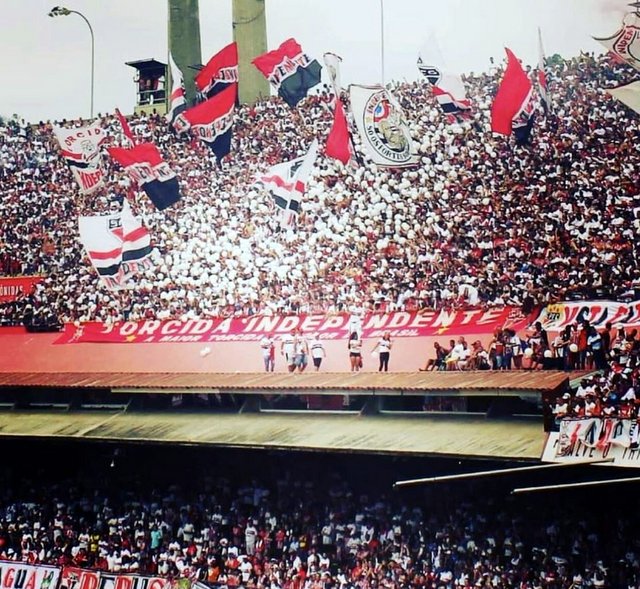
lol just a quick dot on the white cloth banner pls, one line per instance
(81, 148)
(557, 316)
(628, 94)
(18, 575)
(117, 244)
(594, 432)
(625, 42)
(383, 130)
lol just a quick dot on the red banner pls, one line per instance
(339, 326)
(12, 287)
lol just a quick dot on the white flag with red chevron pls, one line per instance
(117, 245)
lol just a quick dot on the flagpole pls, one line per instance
(382, 40)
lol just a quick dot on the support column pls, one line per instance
(184, 40)
(250, 33)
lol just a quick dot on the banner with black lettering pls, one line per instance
(145, 166)
(81, 148)
(557, 316)
(17, 575)
(382, 127)
(625, 42)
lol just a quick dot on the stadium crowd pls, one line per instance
(318, 532)
(478, 222)
(613, 391)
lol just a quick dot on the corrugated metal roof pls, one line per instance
(422, 435)
(416, 382)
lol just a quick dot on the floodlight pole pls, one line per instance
(575, 485)
(500, 471)
(62, 11)
(382, 40)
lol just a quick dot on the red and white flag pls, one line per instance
(513, 99)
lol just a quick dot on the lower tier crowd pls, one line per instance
(310, 522)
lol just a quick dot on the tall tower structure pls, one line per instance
(184, 39)
(250, 33)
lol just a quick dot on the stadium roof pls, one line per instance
(392, 383)
(475, 437)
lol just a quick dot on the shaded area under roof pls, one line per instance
(424, 435)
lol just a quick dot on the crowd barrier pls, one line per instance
(19, 575)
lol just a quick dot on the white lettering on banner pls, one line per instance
(15, 575)
(399, 324)
(11, 291)
(144, 172)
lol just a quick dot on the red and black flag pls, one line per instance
(289, 70)
(512, 109)
(145, 166)
(212, 120)
(219, 72)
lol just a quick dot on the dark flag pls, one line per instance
(513, 105)
(522, 129)
(290, 71)
(145, 166)
(212, 120)
(219, 72)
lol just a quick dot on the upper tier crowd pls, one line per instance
(317, 531)
(478, 222)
